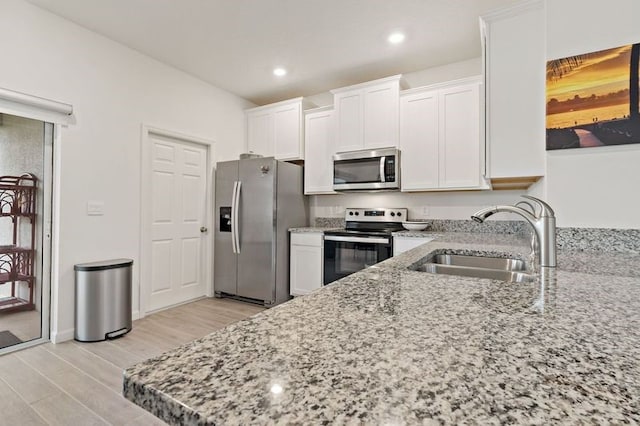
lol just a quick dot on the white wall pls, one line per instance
(593, 187)
(114, 90)
(420, 78)
(423, 205)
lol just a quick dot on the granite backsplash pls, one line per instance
(573, 239)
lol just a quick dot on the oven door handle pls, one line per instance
(382, 173)
(356, 239)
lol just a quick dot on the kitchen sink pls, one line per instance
(503, 264)
(503, 269)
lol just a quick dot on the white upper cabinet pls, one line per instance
(441, 142)
(319, 141)
(350, 132)
(419, 141)
(260, 132)
(380, 111)
(367, 115)
(514, 54)
(460, 140)
(276, 130)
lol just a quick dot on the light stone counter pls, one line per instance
(311, 229)
(389, 345)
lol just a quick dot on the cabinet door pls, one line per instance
(288, 132)
(460, 137)
(319, 130)
(380, 114)
(419, 141)
(305, 269)
(260, 133)
(349, 121)
(515, 77)
(402, 244)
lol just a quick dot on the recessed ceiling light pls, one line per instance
(279, 72)
(396, 38)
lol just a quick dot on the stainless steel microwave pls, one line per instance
(366, 170)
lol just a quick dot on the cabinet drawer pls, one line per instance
(313, 239)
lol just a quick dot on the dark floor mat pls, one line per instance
(7, 338)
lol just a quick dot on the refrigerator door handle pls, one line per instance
(236, 215)
(232, 218)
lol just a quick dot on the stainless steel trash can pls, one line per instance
(103, 299)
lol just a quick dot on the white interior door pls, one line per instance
(178, 211)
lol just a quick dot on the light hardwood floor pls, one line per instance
(78, 384)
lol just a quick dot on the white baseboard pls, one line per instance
(69, 334)
(62, 336)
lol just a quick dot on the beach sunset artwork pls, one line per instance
(592, 99)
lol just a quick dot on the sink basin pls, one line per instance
(503, 269)
(465, 271)
(502, 264)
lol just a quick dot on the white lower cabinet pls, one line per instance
(402, 244)
(305, 262)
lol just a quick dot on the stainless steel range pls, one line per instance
(365, 241)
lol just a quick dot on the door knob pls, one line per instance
(203, 229)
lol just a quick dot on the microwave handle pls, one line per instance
(382, 174)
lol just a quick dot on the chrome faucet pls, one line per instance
(543, 222)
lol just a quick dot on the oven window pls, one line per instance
(352, 257)
(345, 258)
(362, 170)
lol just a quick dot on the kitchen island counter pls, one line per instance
(391, 345)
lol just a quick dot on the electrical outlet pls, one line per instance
(95, 208)
(424, 211)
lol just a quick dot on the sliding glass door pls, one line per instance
(26, 154)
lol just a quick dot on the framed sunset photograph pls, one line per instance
(592, 99)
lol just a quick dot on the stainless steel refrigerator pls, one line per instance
(257, 201)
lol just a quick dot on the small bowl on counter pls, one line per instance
(415, 226)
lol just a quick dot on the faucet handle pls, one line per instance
(545, 209)
(533, 209)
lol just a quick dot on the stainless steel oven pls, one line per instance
(366, 170)
(345, 255)
(366, 240)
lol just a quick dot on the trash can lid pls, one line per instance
(103, 264)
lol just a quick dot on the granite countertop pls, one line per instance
(417, 234)
(389, 345)
(311, 229)
(410, 234)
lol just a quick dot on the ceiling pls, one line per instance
(324, 44)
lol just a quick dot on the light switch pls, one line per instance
(95, 208)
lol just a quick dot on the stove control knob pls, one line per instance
(399, 214)
(350, 213)
(357, 213)
(392, 214)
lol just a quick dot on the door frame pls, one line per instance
(146, 209)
